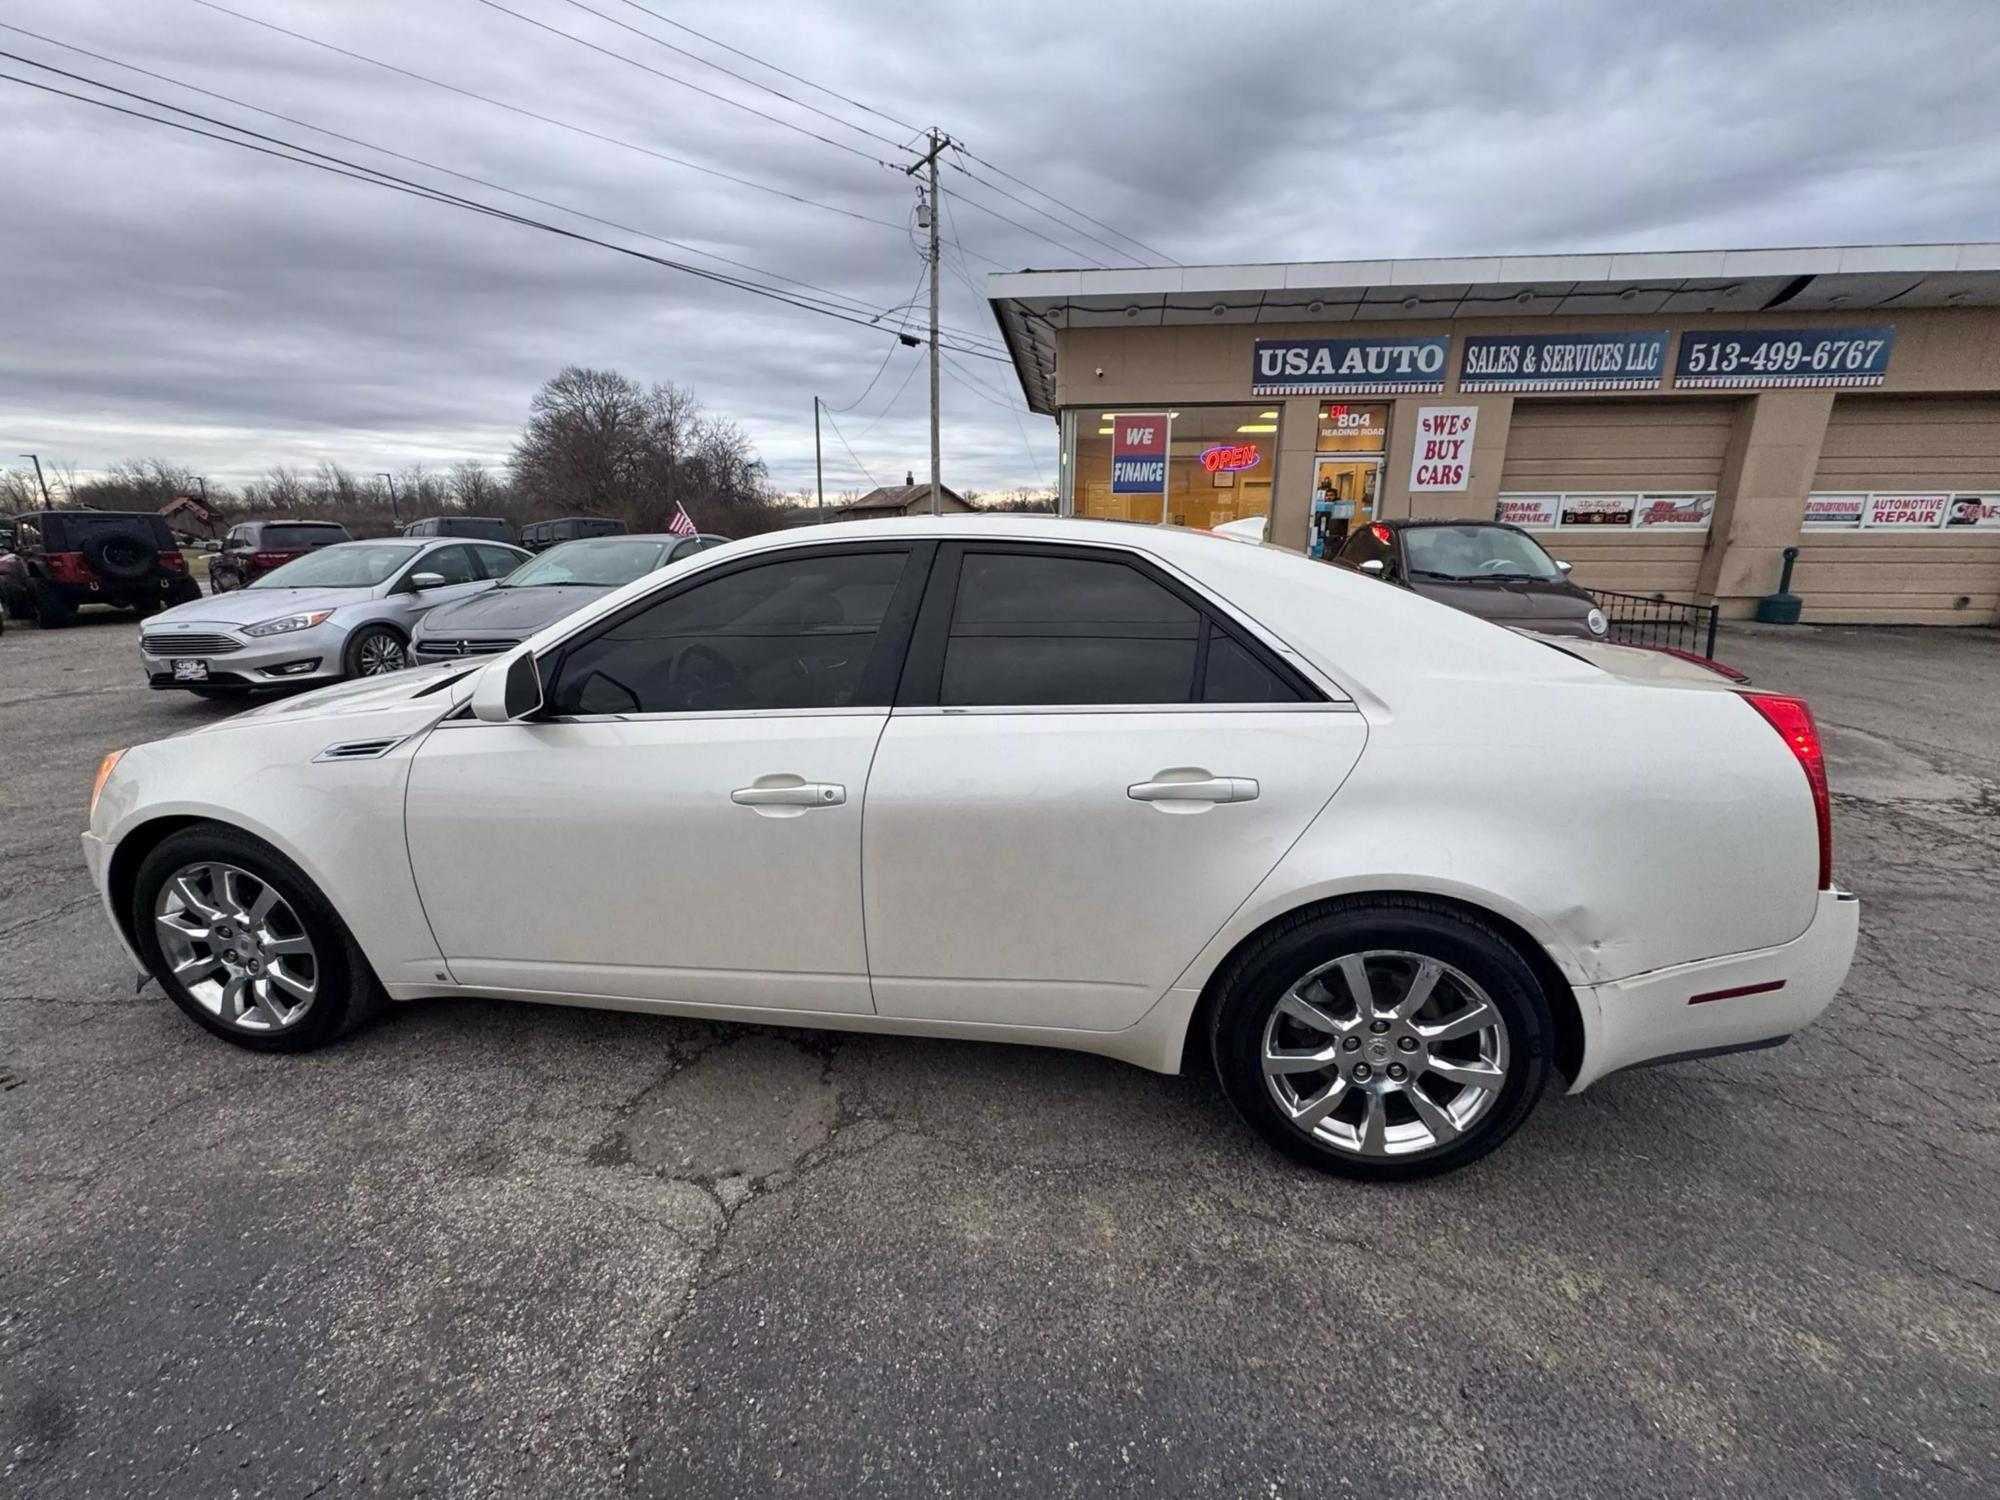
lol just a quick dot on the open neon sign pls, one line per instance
(1230, 457)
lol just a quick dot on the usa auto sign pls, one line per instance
(1337, 367)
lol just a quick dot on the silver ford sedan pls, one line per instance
(343, 611)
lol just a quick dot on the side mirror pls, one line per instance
(1565, 566)
(1374, 567)
(422, 581)
(509, 689)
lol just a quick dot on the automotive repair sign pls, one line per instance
(1443, 457)
(1139, 453)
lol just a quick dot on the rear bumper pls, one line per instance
(1720, 1004)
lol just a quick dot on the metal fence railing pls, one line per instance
(1655, 620)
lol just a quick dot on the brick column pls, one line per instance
(1291, 494)
(1760, 502)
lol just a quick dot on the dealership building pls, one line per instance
(1670, 423)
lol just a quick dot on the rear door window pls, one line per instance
(497, 561)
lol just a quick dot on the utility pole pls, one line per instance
(394, 514)
(928, 211)
(35, 459)
(819, 474)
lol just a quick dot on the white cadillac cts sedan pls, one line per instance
(1137, 791)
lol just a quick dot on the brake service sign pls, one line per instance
(1139, 453)
(1342, 367)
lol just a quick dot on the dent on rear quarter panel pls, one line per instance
(1627, 828)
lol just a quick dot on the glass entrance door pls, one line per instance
(1344, 491)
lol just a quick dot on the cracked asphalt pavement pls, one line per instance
(491, 1249)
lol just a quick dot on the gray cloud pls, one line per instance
(169, 295)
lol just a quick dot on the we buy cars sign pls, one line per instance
(1443, 457)
(1139, 453)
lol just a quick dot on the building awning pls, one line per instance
(1031, 306)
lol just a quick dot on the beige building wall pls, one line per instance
(1769, 457)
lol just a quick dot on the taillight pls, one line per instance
(172, 561)
(1794, 723)
(268, 560)
(69, 567)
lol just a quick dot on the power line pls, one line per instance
(887, 355)
(857, 303)
(890, 405)
(1016, 198)
(569, 36)
(1156, 254)
(596, 135)
(850, 449)
(752, 57)
(731, 73)
(1067, 249)
(375, 177)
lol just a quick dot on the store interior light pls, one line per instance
(1258, 427)
(1104, 432)
(1267, 416)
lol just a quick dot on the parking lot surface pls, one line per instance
(486, 1249)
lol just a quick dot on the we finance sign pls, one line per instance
(1139, 454)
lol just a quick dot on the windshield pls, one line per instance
(602, 562)
(1475, 553)
(350, 565)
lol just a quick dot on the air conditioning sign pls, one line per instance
(1139, 454)
(1340, 367)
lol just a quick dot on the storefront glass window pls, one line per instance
(1220, 463)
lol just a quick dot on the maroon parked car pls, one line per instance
(1485, 568)
(254, 548)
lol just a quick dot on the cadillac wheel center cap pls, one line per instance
(1378, 1049)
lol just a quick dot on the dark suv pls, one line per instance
(539, 536)
(254, 548)
(64, 559)
(479, 528)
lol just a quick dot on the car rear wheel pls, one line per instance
(246, 945)
(374, 650)
(1393, 1039)
(53, 606)
(20, 603)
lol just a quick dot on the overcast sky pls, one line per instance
(168, 295)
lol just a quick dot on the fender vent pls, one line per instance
(360, 749)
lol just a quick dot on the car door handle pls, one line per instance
(1210, 789)
(799, 794)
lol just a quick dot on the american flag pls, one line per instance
(682, 524)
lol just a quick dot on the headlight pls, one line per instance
(104, 769)
(289, 622)
(1597, 623)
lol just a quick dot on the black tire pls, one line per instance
(183, 591)
(54, 608)
(352, 663)
(124, 554)
(347, 993)
(1258, 978)
(20, 603)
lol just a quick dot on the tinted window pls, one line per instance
(1029, 630)
(452, 564)
(1233, 675)
(497, 562)
(790, 634)
(299, 538)
(1366, 546)
(599, 562)
(695, 544)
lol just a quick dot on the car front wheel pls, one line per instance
(374, 650)
(1399, 1038)
(246, 945)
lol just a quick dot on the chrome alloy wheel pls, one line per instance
(236, 946)
(380, 652)
(1385, 1053)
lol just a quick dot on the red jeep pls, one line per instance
(62, 560)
